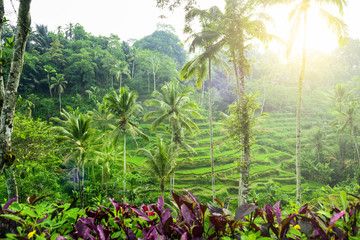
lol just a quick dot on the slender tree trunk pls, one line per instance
(172, 176)
(133, 68)
(246, 165)
(154, 75)
(82, 184)
(211, 135)
(298, 115)
(48, 77)
(124, 163)
(162, 187)
(8, 107)
(356, 146)
(148, 74)
(11, 185)
(120, 78)
(202, 95)
(102, 178)
(60, 101)
(74, 180)
(240, 192)
(236, 73)
(78, 180)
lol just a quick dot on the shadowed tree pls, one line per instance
(122, 105)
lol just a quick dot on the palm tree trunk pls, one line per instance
(82, 184)
(162, 187)
(172, 176)
(148, 74)
(236, 73)
(133, 68)
(48, 78)
(240, 192)
(202, 95)
(298, 115)
(120, 78)
(246, 165)
(124, 163)
(60, 101)
(154, 81)
(211, 135)
(356, 146)
(74, 180)
(102, 178)
(78, 180)
(11, 185)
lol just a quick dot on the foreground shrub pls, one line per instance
(189, 220)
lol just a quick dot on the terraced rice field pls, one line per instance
(272, 161)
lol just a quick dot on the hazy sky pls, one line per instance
(137, 18)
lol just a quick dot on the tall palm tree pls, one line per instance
(49, 69)
(348, 119)
(299, 17)
(59, 84)
(340, 96)
(75, 129)
(120, 68)
(173, 109)
(122, 105)
(161, 163)
(242, 23)
(207, 40)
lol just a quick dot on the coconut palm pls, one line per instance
(299, 17)
(161, 163)
(75, 129)
(340, 96)
(207, 40)
(120, 68)
(348, 119)
(59, 84)
(173, 109)
(122, 105)
(49, 69)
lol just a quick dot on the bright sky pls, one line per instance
(137, 18)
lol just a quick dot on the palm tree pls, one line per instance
(299, 16)
(173, 108)
(59, 84)
(49, 69)
(120, 68)
(347, 119)
(160, 164)
(124, 108)
(340, 96)
(75, 129)
(201, 65)
(317, 142)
